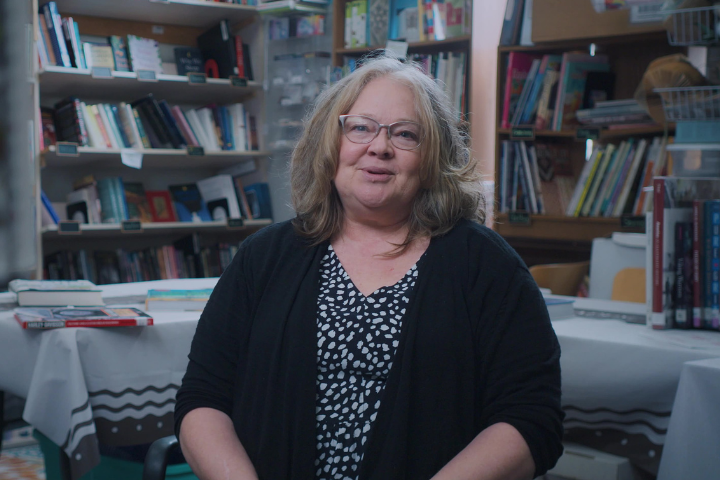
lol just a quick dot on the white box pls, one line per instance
(583, 463)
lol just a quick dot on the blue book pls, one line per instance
(49, 207)
(189, 205)
(56, 34)
(258, 197)
(123, 135)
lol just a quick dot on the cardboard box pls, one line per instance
(558, 20)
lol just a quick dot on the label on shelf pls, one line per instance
(236, 81)
(101, 72)
(195, 78)
(194, 151)
(587, 134)
(131, 226)
(66, 149)
(522, 133)
(235, 223)
(69, 227)
(636, 222)
(146, 76)
(519, 218)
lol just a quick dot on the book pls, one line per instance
(138, 208)
(559, 308)
(189, 205)
(69, 122)
(98, 55)
(144, 54)
(518, 67)
(67, 317)
(161, 206)
(217, 45)
(672, 203)
(189, 59)
(571, 88)
(44, 293)
(177, 300)
(219, 195)
(511, 22)
(258, 197)
(120, 53)
(54, 26)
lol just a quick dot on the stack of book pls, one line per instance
(148, 123)
(615, 114)
(111, 200)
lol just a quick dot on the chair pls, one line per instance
(611, 255)
(156, 460)
(560, 278)
(629, 285)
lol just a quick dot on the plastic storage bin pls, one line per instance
(109, 468)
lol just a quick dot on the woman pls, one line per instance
(383, 333)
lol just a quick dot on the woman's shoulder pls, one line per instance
(480, 241)
(273, 242)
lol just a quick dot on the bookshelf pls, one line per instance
(173, 23)
(554, 238)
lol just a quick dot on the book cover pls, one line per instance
(49, 46)
(379, 18)
(120, 53)
(218, 192)
(258, 197)
(54, 26)
(571, 86)
(189, 59)
(511, 21)
(217, 45)
(519, 65)
(144, 54)
(698, 279)
(65, 317)
(138, 208)
(189, 205)
(161, 206)
(98, 55)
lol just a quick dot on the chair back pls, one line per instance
(560, 278)
(629, 285)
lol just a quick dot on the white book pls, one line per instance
(126, 115)
(237, 112)
(615, 165)
(208, 125)
(108, 127)
(94, 135)
(219, 195)
(629, 180)
(536, 178)
(194, 121)
(529, 182)
(144, 54)
(114, 125)
(459, 83)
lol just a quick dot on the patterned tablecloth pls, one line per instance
(117, 385)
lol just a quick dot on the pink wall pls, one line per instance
(487, 23)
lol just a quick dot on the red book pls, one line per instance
(66, 317)
(161, 206)
(240, 60)
(696, 252)
(658, 316)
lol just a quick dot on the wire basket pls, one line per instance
(693, 26)
(690, 103)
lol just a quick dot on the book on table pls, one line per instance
(66, 317)
(559, 307)
(177, 300)
(44, 293)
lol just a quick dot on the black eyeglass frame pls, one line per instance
(342, 119)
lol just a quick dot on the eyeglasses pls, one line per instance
(404, 135)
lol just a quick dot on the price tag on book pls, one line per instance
(195, 151)
(519, 218)
(587, 134)
(236, 81)
(146, 76)
(195, 78)
(634, 222)
(235, 223)
(66, 149)
(69, 227)
(131, 226)
(522, 133)
(101, 72)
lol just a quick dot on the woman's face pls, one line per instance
(377, 178)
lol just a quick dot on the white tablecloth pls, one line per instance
(113, 385)
(692, 446)
(117, 385)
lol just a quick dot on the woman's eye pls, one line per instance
(359, 128)
(407, 134)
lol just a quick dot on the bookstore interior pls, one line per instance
(144, 140)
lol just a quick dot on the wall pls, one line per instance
(487, 23)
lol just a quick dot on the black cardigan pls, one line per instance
(476, 348)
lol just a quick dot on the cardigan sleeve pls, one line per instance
(521, 360)
(211, 373)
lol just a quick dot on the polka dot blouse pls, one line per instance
(357, 340)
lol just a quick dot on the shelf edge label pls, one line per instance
(519, 218)
(587, 134)
(66, 149)
(195, 151)
(235, 223)
(101, 72)
(195, 78)
(131, 226)
(236, 81)
(146, 76)
(633, 221)
(69, 227)
(522, 133)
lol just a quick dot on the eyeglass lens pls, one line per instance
(404, 135)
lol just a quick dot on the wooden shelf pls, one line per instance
(560, 228)
(112, 230)
(124, 86)
(604, 133)
(156, 158)
(193, 13)
(462, 41)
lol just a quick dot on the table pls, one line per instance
(693, 437)
(117, 385)
(111, 385)
(619, 383)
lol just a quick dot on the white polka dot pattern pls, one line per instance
(357, 340)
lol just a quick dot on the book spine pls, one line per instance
(696, 278)
(78, 44)
(57, 26)
(140, 128)
(176, 136)
(55, 39)
(49, 47)
(658, 316)
(239, 58)
(67, 36)
(678, 297)
(707, 263)
(121, 322)
(715, 252)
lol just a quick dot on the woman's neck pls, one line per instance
(372, 236)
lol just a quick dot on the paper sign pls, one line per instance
(131, 158)
(398, 49)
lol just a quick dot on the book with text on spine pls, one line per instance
(66, 317)
(177, 300)
(43, 293)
